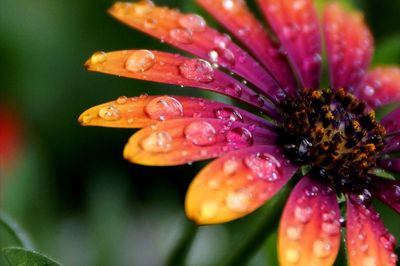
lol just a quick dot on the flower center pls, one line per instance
(333, 132)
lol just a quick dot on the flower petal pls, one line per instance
(142, 111)
(387, 191)
(368, 241)
(309, 231)
(297, 27)
(349, 46)
(237, 184)
(391, 165)
(240, 21)
(172, 69)
(391, 122)
(381, 86)
(190, 33)
(393, 145)
(187, 140)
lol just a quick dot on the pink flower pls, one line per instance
(332, 131)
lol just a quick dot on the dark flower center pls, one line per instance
(333, 132)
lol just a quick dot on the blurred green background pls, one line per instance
(71, 189)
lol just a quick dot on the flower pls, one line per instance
(331, 131)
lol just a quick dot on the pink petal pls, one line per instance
(297, 27)
(368, 241)
(349, 46)
(381, 86)
(182, 141)
(190, 33)
(309, 230)
(173, 69)
(391, 165)
(237, 184)
(391, 122)
(240, 21)
(393, 145)
(387, 191)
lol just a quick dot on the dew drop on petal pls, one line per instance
(209, 209)
(234, 90)
(200, 133)
(222, 41)
(122, 100)
(223, 56)
(213, 184)
(293, 233)
(150, 23)
(98, 57)
(292, 255)
(369, 90)
(144, 7)
(157, 142)
(331, 228)
(110, 113)
(369, 261)
(238, 201)
(230, 166)
(181, 35)
(140, 61)
(303, 214)
(193, 22)
(264, 166)
(232, 5)
(197, 70)
(322, 248)
(227, 113)
(164, 107)
(258, 100)
(86, 119)
(239, 137)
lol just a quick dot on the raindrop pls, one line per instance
(239, 137)
(122, 100)
(232, 5)
(363, 198)
(292, 255)
(264, 166)
(193, 22)
(303, 214)
(369, 261)
(369, 91)
(258, 100)
(140, 61)
(98, 57)
(395, 193)
(222, 41)
(86, 119)
(234, 90)
(209, 209)
(150, 23)
(227, 113)
(312, 191)
(331, 228)
(164, 107)
(322, 248)
(230, 166)
(183, 36)
(293, 233)
(223, 56)
(110, 113)
(157, 142)
(238, 201)
(200, 133)
(197, 70)
(144, 7)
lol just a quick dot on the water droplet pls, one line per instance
(369, 90)
(238, 201)
(224, 56)
(322, 248)
(144, 7)
(298, 4)
(209, 209)
(213, 55)
(150, 23)
(232, 5)
(239, 137)
(292, 255)
(222, 41)
(213, 184)
(164, 107)
(197, 70)
(227, 113)
(388, 241)
(369, 261)
(193, 22)
(395, 193)
(140, 61)
(181, 35)
(303, 214)
(363, 198)
(98, 57)
(110, 113)
(264, 166)
(230, 166)
(234, 90)
(86, 119)
(258, 100)
(331, 228)
(200, 133)
(293, 233)
(312, 191)
(122, 100)
(157, 142)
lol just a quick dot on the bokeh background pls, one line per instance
(69, 186)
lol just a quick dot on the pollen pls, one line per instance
(333, 132)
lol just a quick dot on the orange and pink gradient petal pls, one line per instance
(236, 184)
(182, 141)
(368, 241)
(309, 231)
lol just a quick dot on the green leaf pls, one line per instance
(13, 228)
(23, 257)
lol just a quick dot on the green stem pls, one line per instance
(15, 231)
(267, 224)
(179, 253)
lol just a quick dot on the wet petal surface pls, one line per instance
(387, 191)
(309, 230)
(237, 184)
(183, 141)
